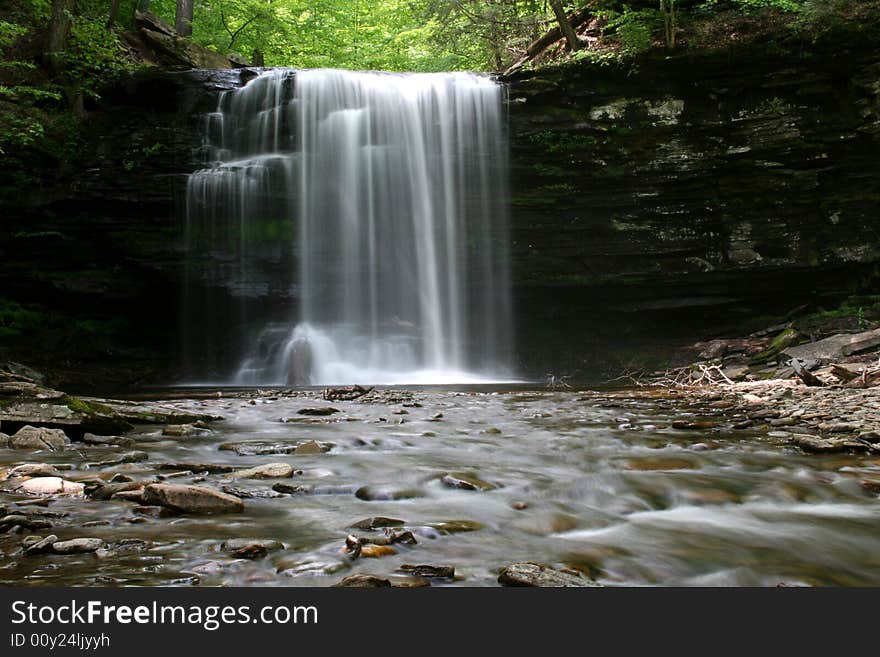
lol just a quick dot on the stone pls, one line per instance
(154, 512)
(466, 482)
(94, 439)
(32, 470)
(374, 493)
(408, 582)
(376, 551)
(266, 471)
(106, 491)
(820, 445)
(233, 544)
(310, 447)
(182, 430)
(51, 486)
(29, 437)
(210, 468)
(249, 551)
(41, 546)
(457, 526)
(251, 493)
(377, 522)
(872, 437)
(539, 575)
(192, 499)
(127, 457)
(835, 346)
(77, 546)
(363, 582)
(425, 570)
(318, 411)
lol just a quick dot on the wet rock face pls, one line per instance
(659, 199)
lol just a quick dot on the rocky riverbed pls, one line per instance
(754, 483)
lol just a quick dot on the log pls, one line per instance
(806, 375)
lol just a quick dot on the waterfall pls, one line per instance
(387, 197)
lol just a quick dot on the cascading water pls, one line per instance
(389, 193)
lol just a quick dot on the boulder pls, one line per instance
(41, 546)
(192, 499)
(32, 470)
(29, 437)
(534, 574)
(62, 412)
(836, 346)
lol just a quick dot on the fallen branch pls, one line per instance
(345, 394)
(806, 375)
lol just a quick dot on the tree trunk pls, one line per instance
(184, 17)
(570, 35)
(114, 12)
(59, 29)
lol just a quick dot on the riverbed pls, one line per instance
(631, 487)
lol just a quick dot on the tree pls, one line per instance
(56, 35)
(574, 43)
(183, 17)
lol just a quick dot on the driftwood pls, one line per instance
(806, 375)
(345, 394)
(865, 377)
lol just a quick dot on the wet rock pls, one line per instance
(370, 551)
(425, 570)
(319, 411)
(4, 440)
(373, 493)
(192, 499)
(210, 468)
(519, 506)
(266, 471)
(154, 512)
(377, 522)
(534, 574)
(436, 417)
(51, 486)
(29, 437)
(466, 482)
(293, 489)
(94, 439)
(251, 493)
(42, 546)
(299, 568)
(64, 413)
(363, 582)
(872, 437)
(312, 447)
(820, 445)
(839, 427)
(249, 551)
(32, 470)
(135, 495)
(106, 491)
(120, 478)
(233, 544)
(659, 464)
(871, 485)
(693, 424)
(14, 520)
(127, 457)
(77, 546)
(183, 430)
(456, 526)
(408, 582)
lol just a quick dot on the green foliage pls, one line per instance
(16, 320)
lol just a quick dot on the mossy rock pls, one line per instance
(788, 338)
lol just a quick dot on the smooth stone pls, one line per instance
(456, 526)
(363, 582)
(52, 486)
(377, 522)
(77, 545)
(93, 439)
(267, 471)
(466, 482)
(659, 464)
(538, 575)
(819, 445)
(408, 582)
(251, 493)
(425, 570)
(372, 494)
(106, 491)
(41, 546)
(318, 411)
(29, 437)
(376, 551)
(182, 430)
(192, 499)
(310, 447)
(250, 551)
(33, 470)
(239, 543)
(127, 457)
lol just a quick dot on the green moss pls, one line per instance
(86, 408)
(787, 338)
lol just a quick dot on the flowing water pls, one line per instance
(390, 192)
(594, 480)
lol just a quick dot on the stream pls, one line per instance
(595, 480)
